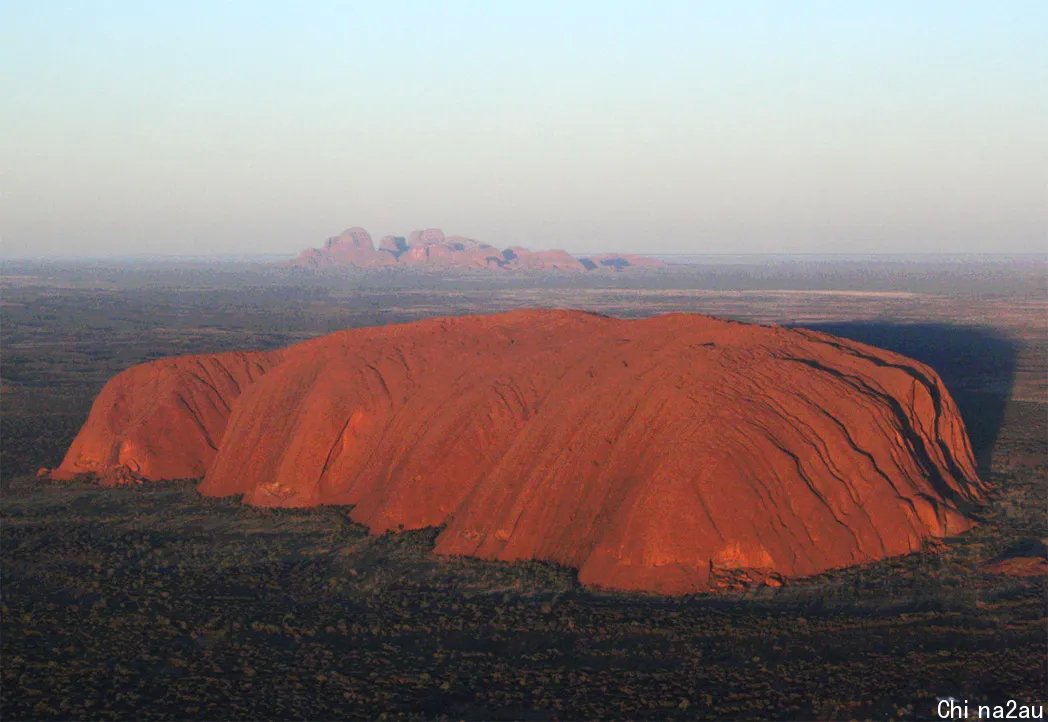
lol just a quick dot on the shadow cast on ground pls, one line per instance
(976, 363)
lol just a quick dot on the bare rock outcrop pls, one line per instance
(430, 250)
(673, 454)
(163, 419)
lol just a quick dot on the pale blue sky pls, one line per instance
(238, 127)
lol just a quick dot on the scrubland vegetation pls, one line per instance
(155, 602)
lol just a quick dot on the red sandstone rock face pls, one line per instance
(355, 238)
(163, 419)
(672, 454)
(426, 237)
(352, 247)
(547, 260)
(430, 249)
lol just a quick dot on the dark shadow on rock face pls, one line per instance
(977, 364)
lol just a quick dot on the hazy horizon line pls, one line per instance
(675, 254)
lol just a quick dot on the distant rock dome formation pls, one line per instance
(673, 454)
(430, 250)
